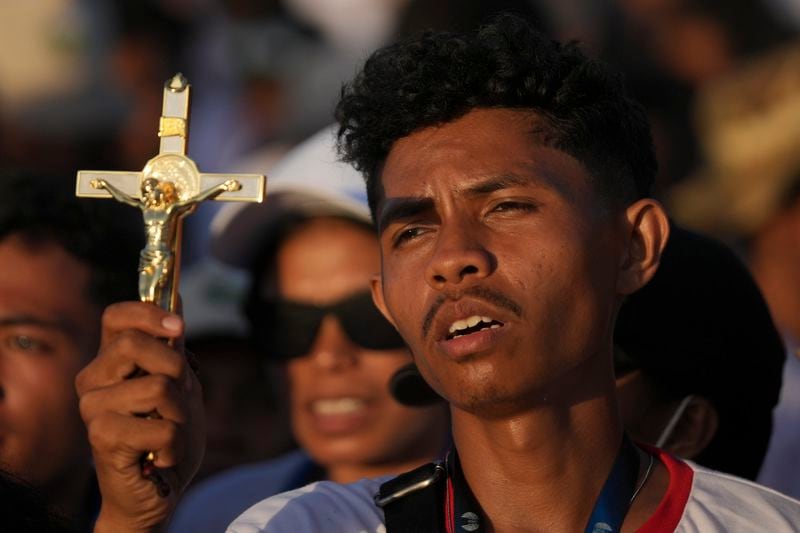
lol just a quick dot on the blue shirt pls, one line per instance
(214, 503)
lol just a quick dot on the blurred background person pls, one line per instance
(748, 193)
(699, 359)
(62, 261)
(681, 46)
(312, 251)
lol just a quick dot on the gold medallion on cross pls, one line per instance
(168, 188)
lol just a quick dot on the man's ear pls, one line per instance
(695, 430)
(376, 286)
(647, 233)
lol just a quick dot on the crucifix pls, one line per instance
(168, 188)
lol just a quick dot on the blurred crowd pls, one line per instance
(79, 81)
(80, 88)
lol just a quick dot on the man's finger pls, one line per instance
(142, 316)
(126, 353)
(120, 441)
(141, 395)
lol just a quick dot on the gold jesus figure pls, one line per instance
(161, 209)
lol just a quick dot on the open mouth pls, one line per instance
(338, 406)
(470, 325)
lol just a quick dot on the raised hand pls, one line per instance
(136, 373)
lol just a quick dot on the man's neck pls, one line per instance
(542, 469)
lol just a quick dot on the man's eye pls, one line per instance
(23, 343)
(513, 206)
(407, 235)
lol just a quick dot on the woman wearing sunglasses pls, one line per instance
(311, 251)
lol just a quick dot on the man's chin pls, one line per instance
(483, 399)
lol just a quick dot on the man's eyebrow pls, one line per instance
(393, 209)
(30, 320)
(497, 183)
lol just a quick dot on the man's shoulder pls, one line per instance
(322, 506)
(722, 502)
(216, 501)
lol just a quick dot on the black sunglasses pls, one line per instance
(287, 329)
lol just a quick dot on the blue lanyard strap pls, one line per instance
(609, 509)
(615, 498)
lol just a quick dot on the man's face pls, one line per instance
(341, 409)
(499, 263)
(48, 331)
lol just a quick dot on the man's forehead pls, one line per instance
(483, 139)
(45, 285)
(71, 336)
(537, 167)
(479, 132)
(61, 321)
(61, 324)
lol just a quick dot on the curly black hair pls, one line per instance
(435, 78)
(102, 234)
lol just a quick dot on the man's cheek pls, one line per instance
(409, 325)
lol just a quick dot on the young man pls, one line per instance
(311, 251)
(508, 177)
(62, 260)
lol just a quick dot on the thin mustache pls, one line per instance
(481, 293)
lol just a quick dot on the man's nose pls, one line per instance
(332, 349)
(460, 257)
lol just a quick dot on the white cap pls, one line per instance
(309, 181)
